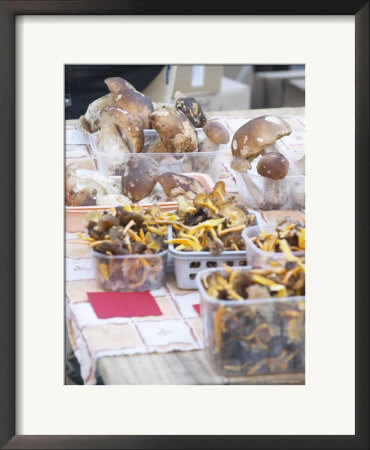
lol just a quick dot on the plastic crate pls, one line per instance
(188, 264)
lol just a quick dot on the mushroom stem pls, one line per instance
(276, 194)
(254, 190)
(272, 148)
(209, 146)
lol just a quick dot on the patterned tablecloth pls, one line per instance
(179, 326)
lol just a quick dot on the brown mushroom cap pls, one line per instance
(257, 134)
(273, 165)
(117, 84)
(137, 104)
(174, 185)
(216, 132)
(129, 127)
(177, 133)
(84, 197)
(139, 177)
(192, 110)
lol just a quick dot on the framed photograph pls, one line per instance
(145, 146)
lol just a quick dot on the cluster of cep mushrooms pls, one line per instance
(122, 116)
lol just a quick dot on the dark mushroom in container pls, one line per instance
(139, 177)
(192, 110)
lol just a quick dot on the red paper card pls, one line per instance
(197, 309)
(123, 304)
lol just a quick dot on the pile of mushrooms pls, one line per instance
(211, 223)
(121, 117)
(128, 230)
(256, 141)
(282, 279)
(290, 230)
(140, 180)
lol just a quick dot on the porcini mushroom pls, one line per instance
(103, 185)
(128, 126)
(90, 122)
(175, 185)
(110, 140)
(175, 129)
(139, 177)
(137, 104)
(254, 137)
(216, 134)
(273, 165)
(117, 84)
(192, 110)
(85, 197)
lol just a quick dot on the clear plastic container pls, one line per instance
(130, 273)
(253, 337)
(203, 162)
(263, 193)
(257, 256)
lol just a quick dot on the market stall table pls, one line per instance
(176, 364)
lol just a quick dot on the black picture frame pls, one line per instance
(8, 11)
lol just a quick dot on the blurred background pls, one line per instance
(217, 88)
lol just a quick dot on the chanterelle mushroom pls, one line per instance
(128, 126)
(216, 134)
(175, 185)
(176, 131)
(137, 104)
(251, 139)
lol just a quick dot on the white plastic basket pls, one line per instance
(188, 264)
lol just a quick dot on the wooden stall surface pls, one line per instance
(186, 367)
